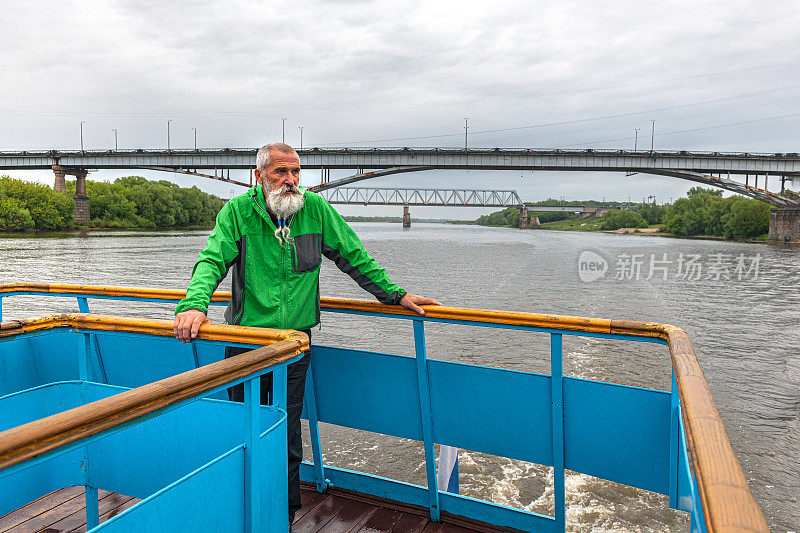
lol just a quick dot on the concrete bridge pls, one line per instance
(737, 172)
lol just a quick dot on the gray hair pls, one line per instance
(262, 158)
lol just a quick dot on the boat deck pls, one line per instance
(336, 511)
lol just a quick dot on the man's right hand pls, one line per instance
(188, 323)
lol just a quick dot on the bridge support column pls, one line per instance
(81, 213)
(61, 180)
(406, 217)
(523, 217)
(784, 224)
(535, 224)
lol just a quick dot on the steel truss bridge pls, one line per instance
(427, 197)
(736, 172)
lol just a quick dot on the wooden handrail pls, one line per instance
(40, 436)
(728, 504)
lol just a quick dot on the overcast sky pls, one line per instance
(721, 76)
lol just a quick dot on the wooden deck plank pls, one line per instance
(109, 514)
(321, 514)
(309, 500)
(381, 521)
(42, 520)
(346, 519)
(37, 507)
(77, 519)
(410, 523)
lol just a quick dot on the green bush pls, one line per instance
(653, 213)
(704, 213)
(135, 202)
(28, 205)
(13, 215)
(614, 220)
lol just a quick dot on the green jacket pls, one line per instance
(276, 285)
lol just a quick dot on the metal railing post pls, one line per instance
(313, 427)
(252, 457)
(90, 492)
(426, 418)
(1, 308)
(674, 435)
(557, 391)
(83, 304)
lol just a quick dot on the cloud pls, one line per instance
(361, 71)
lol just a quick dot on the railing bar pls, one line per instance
(426, 420)
(674, 435)
(100, 364)
(83, 304)
(252, 457)
(195, 355)
(557, 399)
(313, 427)
(1, 308)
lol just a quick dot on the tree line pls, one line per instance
(702, 212)
(129, 202)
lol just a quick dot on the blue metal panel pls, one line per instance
(618, 433)
(557, 400)
(367, 390)
(208, 499)
(34, 359)
(27, 485)
(32, 404)
(501, 412)
(132, 361)
(166, 447)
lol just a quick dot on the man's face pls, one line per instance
(283, 169)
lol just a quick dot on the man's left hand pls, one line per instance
(413, 302)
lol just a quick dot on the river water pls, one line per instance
(739, 302)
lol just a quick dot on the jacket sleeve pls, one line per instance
(341, 245)
(212, 263)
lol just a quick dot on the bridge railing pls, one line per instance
(704, 476)
(329, 149)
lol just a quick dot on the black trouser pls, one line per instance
(295, 388)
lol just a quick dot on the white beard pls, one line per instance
(283, 203)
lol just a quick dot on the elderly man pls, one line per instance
(273, 238)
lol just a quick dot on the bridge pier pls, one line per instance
(534, 222)
(61, 179)
(523, 217)
(81, 212)
(406, 217)
(784, 224)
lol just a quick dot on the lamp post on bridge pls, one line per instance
(301, 136)
(82, 123)
(653, 137)
(195, 138)
(466, 130)
(283, 130)
(636, 139)
(116, 144)
(168, 147)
